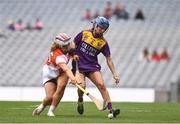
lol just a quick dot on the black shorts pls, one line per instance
(53, 80)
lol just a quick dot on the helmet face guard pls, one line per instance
(63, 39)
(102, 22)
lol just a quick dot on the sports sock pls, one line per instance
(109, 106)
(52, 108)
(80, 99)
(41, 106)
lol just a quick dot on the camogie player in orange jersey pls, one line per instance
(56, 74)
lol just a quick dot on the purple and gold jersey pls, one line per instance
(88, 48)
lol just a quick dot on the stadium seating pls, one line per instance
(23, 53)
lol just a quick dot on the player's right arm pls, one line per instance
(69, 73)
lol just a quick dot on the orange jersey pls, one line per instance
(56, 57)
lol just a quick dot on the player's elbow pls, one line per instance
(64, 67)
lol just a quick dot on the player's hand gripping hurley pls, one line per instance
(101, 105)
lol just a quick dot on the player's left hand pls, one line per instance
(76, 57)
(116, 77)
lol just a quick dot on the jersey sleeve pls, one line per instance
(61, 59)
(106, 50)
(78, 38)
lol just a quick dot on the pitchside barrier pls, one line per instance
(116, 94)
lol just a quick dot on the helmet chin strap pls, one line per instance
(105, 31)
(98, 35)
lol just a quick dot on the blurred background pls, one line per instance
(144, 37)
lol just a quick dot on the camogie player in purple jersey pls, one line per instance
(88, 45)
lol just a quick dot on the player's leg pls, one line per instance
(96, 78)
(80, 107)
(50, 88)
(81, 78)
(61, 85)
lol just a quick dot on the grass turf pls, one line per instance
(21, 112)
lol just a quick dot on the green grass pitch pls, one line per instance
(21, 112)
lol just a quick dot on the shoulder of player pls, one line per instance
(59, 55)
(86, 31)
(58, 52)
(104, 39)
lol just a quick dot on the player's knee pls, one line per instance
(61, 87)
(49, 98)
(101, 87)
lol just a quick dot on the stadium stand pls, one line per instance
(23, 53)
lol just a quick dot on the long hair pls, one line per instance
(54, 46)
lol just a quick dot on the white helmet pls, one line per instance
(63, 39)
